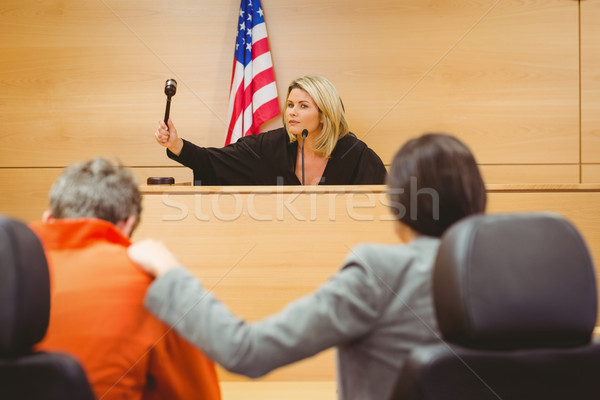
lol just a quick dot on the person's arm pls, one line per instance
(178, 370)
(342, 309)
(354, 163)
(370, 170)
(236, 164)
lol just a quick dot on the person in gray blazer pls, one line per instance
(375, 309)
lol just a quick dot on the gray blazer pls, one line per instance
(374, 310)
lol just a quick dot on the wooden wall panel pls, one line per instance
(581, 208)
(279, 390)
(506, 81)
(80, 78)
(590, 81)
(261, 251)
(590, 173)
(24, 191)
(529, 174)
(258, 251)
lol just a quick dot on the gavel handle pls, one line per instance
(167, 110)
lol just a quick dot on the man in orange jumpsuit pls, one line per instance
(97, 293)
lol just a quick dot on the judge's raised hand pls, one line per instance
(168, 137)
(153, 257)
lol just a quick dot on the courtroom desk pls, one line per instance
(259, 248)
(580, 203)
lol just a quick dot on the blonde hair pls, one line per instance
(330, 107)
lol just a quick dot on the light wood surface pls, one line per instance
(517, 80)
(260, 248)
(590, 173)
(86, 78)
(590, 82)
(531, 174)
(24, 191)
(293, 390)
(486, 72)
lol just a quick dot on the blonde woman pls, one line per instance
(332, 154)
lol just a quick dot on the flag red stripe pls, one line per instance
(253, 96)
(259, 48)
(263, 79)
(264, 113)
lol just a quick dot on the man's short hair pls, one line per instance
(96, 189)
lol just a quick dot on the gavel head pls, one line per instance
(170, 87)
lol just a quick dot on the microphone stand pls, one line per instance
(304, 135)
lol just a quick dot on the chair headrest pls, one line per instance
(24, 289)
(511, 281)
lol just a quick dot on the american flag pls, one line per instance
(253, 94)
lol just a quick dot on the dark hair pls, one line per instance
(433, 182)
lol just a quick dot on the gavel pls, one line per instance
(170, 90)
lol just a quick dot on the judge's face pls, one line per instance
(302, 113)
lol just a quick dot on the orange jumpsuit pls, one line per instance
(97, 315)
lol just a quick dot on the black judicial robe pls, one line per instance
(270, 159)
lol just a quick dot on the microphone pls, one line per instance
(170, 90)
(304, 135)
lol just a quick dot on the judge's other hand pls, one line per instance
(153, 257)
(168, 137)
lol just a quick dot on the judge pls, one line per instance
(332, 154)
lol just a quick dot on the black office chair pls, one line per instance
(516, 303)
(24, 313)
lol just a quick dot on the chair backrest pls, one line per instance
(516, 303)
(24, 315)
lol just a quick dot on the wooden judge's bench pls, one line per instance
(259, 248)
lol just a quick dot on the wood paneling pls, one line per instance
(580, 207)
(590, 173)
(259, 251)
(260, 248)
(80, 78)
(236, 230)
(24, 191)
(278, 390)
(506, 81)
(590, 81)
(548, 173)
